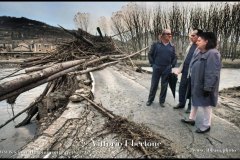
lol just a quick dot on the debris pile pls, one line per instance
(59, 68)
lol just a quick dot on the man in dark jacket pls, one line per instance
(162, 58)
(184, 83)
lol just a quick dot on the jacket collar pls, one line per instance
(205, 55)
(168, 43)
(196, 55)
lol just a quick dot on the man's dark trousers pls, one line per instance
(183, 87)
(163, 73)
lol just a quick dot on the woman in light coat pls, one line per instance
(205, 75)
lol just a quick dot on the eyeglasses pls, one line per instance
(167, 34)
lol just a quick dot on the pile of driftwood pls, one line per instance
(82, 55)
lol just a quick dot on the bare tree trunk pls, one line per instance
(14, 84)
(37, 68)
(50, 78)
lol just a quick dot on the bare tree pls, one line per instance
(226, 28)
(195, 14)
(129, 22)
(145, 21)
(185, 29)
(157, 20)
(134, 24)
(137, 25)
(103, 24)
(236, 30)
(120, 30)
(117, 25)
(175, 19)
(81, 20)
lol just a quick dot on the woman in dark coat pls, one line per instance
(205, 75)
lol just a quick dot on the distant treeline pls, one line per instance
(136, 26)
(24, 28)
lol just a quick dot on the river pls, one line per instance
(11, 138)
(229, 77)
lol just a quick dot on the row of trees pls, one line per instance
(137, 25)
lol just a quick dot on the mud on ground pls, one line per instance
(229, 105)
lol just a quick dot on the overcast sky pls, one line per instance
(62, 13)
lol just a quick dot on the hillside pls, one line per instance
(12, 28)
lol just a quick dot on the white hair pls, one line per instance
(166, 31)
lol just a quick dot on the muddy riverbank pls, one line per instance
(229, 105)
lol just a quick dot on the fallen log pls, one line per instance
(95, 61)
(118, 56)
(133, 54)
(94, 68)
(14, 84)
(32, 59)
(33, 108)
(38, 83)
(122, 57)
(101, 109)
(50, 78)
(33, 63)
(37, 68)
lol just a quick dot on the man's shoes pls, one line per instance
(188, 111)
(192, 122)
(178, 106)
(200, 131)
(162, 105)
(148, 103)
